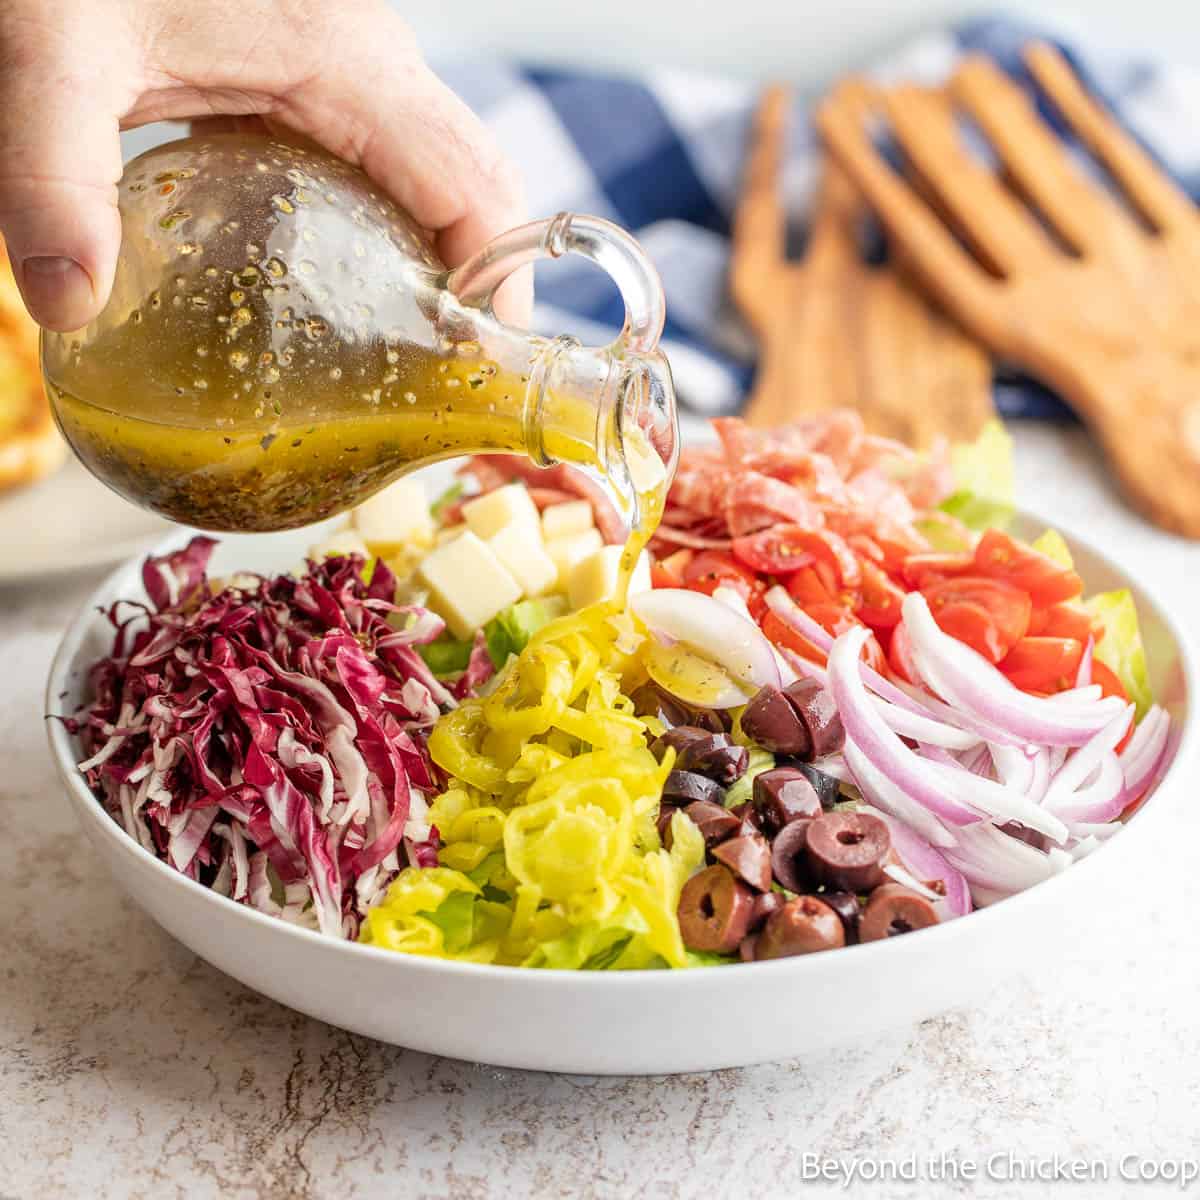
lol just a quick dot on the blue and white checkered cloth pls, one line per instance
(662, 156)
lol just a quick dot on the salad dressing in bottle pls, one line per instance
(281, 342)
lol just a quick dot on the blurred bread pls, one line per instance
(30, 445)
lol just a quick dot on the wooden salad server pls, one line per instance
(1099, 295)
(834, 330)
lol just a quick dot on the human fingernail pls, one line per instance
(58, 292)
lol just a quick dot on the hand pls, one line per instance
(344, 73)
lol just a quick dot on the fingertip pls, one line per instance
(513, 301)
(58, 292)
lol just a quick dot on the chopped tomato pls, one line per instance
(988, 615)
(711, 569)
(1043, 664)
(834, 620)
(1065, 620)
(807, 587)
(895, 553)
(669, 572)
(776, 551)
(922, 569)
(881, 598)
(1001, 557)
(788, 548)
(1110, 685)
(867, 548)
(718, 563)
(780, 633)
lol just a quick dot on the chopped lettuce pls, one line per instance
(506, 634)
(455, 917)
(704, 958)
(1121, 649)
(509, 632)
(983, 472)
(1052, 545)
(446, 655)
(760, 760)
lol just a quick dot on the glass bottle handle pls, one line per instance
(607, 245)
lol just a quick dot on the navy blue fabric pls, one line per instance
(599, 114)
(662, 155)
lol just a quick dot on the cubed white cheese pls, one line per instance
(340, 543)
(449, 533)
(468, 585)
(566, 552)
(594, 578)
(489, 514)
(520, 548)
(397, 516)
(562, 520)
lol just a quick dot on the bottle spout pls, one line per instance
(609, 410)
(647, 436)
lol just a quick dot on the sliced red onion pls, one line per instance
(833, 765)
(882, 793)
(1101, 832)
(936, 708)
(899, 875)
(924, 729)
(1041, 776)
(1146, 755)
(926, 863)
(997, 865)
(901, 651)
(804, 666)
(870, 734)
(1000, 802)
(965, 679)
(1082, 847)
(1014, 768)
(1087, 694)
(710, 629)
(1100, 800)
(1080, 765)
(911, 699)
(903, 721)
(1146, 743)
(979, 761)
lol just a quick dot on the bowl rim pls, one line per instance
(90, 811)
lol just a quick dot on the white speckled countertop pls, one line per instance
(128, 1067)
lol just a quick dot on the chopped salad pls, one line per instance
(842, 703)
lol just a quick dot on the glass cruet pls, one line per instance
(281, 341)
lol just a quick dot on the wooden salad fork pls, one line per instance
(833, 329)
(1099, 295)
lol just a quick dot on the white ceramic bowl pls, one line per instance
(644, 1022)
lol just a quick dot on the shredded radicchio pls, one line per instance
(268, 740)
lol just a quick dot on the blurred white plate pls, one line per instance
(67, 522)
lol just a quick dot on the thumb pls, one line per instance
(60, 160)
